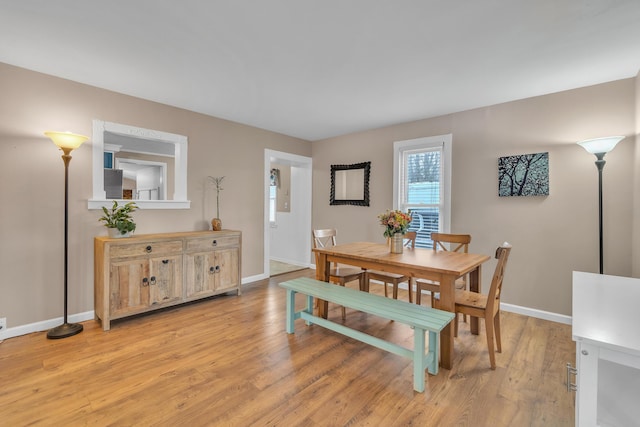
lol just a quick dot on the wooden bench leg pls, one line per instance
(418, 360)
(309, 308)
(434, 343)
(291, 299)
(422, 361)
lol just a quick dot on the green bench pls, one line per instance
(419, 318)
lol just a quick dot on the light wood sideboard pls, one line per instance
(143, 273)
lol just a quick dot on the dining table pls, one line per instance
(443, 267)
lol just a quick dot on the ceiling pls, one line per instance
(314, 69)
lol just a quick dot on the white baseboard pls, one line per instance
(44, 325)
(292, 262)
(534, 312)
(525, 311)
(88, 315)
(255, 278)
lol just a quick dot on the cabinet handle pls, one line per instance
(165, 261)
(145, 281)
(212, 270)
(571, 371)
(148, 249)
(153, 280)
(214, 243)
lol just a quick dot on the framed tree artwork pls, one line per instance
(524, 175)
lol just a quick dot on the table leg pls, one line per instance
(474, 286)
(447, 303)
(322, 273)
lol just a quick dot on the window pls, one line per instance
(422, 184)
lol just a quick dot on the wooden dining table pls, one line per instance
(440, 266)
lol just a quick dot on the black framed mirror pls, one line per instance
(350, 184)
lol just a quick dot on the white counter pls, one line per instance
(606, 328)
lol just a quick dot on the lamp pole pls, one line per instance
(600, 165)
(66, 141)
(599, 147)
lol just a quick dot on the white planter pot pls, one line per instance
(115, 233)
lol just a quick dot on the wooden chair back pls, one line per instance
(493, 297)
(440, 241)
(409, 239)
(324, 238)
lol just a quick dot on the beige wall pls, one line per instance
(553, 235)
(32, 174)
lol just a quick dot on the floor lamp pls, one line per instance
(67, 142)
(600, 147)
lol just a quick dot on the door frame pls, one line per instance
(302, 199)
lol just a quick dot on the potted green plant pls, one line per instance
(118, 219)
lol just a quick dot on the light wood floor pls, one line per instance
(228, 361)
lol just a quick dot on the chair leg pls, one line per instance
(490, 341)
(395, 290)
(455, 326)
(410, 287)
(464, 316)
(496, 327)
(386, 293)
(419, 294)
(344, 311)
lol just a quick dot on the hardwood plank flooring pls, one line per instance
(228, 361)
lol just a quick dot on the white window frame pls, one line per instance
(441, 141)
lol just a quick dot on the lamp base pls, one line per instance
(64, 330)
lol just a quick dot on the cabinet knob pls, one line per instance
(165, 261)
(148, 249)
(153, 280)
(214, 243)
(145, 281)
(212, 270)
(217, 269)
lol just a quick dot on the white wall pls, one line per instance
(635, 250)
(286, 245)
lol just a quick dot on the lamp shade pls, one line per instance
(600, 145)
(66, 139)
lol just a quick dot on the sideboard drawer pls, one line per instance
(214, 242)
(148, 248)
